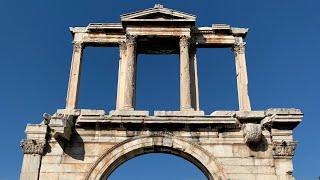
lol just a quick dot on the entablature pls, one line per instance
(106, 35)
(275, 118)
(157, 22)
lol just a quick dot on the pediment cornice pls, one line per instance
(158, 13)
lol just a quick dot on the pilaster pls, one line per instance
(33, 149)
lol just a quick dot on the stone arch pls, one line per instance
(136, 146)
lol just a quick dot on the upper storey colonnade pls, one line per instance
(158, 30)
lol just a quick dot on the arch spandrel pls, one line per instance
(133, 147)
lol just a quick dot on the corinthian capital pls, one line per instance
(77, 45)
(238, 46)
(122, 45)
(30, 146)
(184, 41)
(131, 39)
(284, 149)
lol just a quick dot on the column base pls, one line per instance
(179, 113)
(128, 113)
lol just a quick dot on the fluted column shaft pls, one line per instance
(242, 77)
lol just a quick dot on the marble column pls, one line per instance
(74, 78)
(194, 78)
(242, 77)
(120, 87)
(185, 78)
(127, 74)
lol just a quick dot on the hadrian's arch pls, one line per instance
(157, 143)
(238, 144)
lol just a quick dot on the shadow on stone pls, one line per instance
(75, 147)
(262, 145)
(48, 147)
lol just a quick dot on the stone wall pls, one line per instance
(93, 145)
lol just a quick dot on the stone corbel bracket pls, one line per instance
(251, 126)
(279, 121)
(61, 124)
(252, 133)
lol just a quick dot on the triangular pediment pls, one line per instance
(158, 13)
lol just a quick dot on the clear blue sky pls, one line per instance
(282, 57)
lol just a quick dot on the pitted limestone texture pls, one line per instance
(252, 133)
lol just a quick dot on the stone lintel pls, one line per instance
(204, 37)
(277, 132)
(159, 120)
(74, 112)
(92, 112)
(36, 131)
(242, 32)
(282, 118)
(223, 113)
(222, 29)
(178, 113)
(221, 26)
(83, 112)
(158, 31)
(282, 135)
(283, 111)
(74, 30)
(128, 113)
(104, 26)
(245, 116)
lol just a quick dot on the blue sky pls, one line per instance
(282, 59)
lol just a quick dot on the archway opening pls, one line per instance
(157, 166)
(156, 143)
